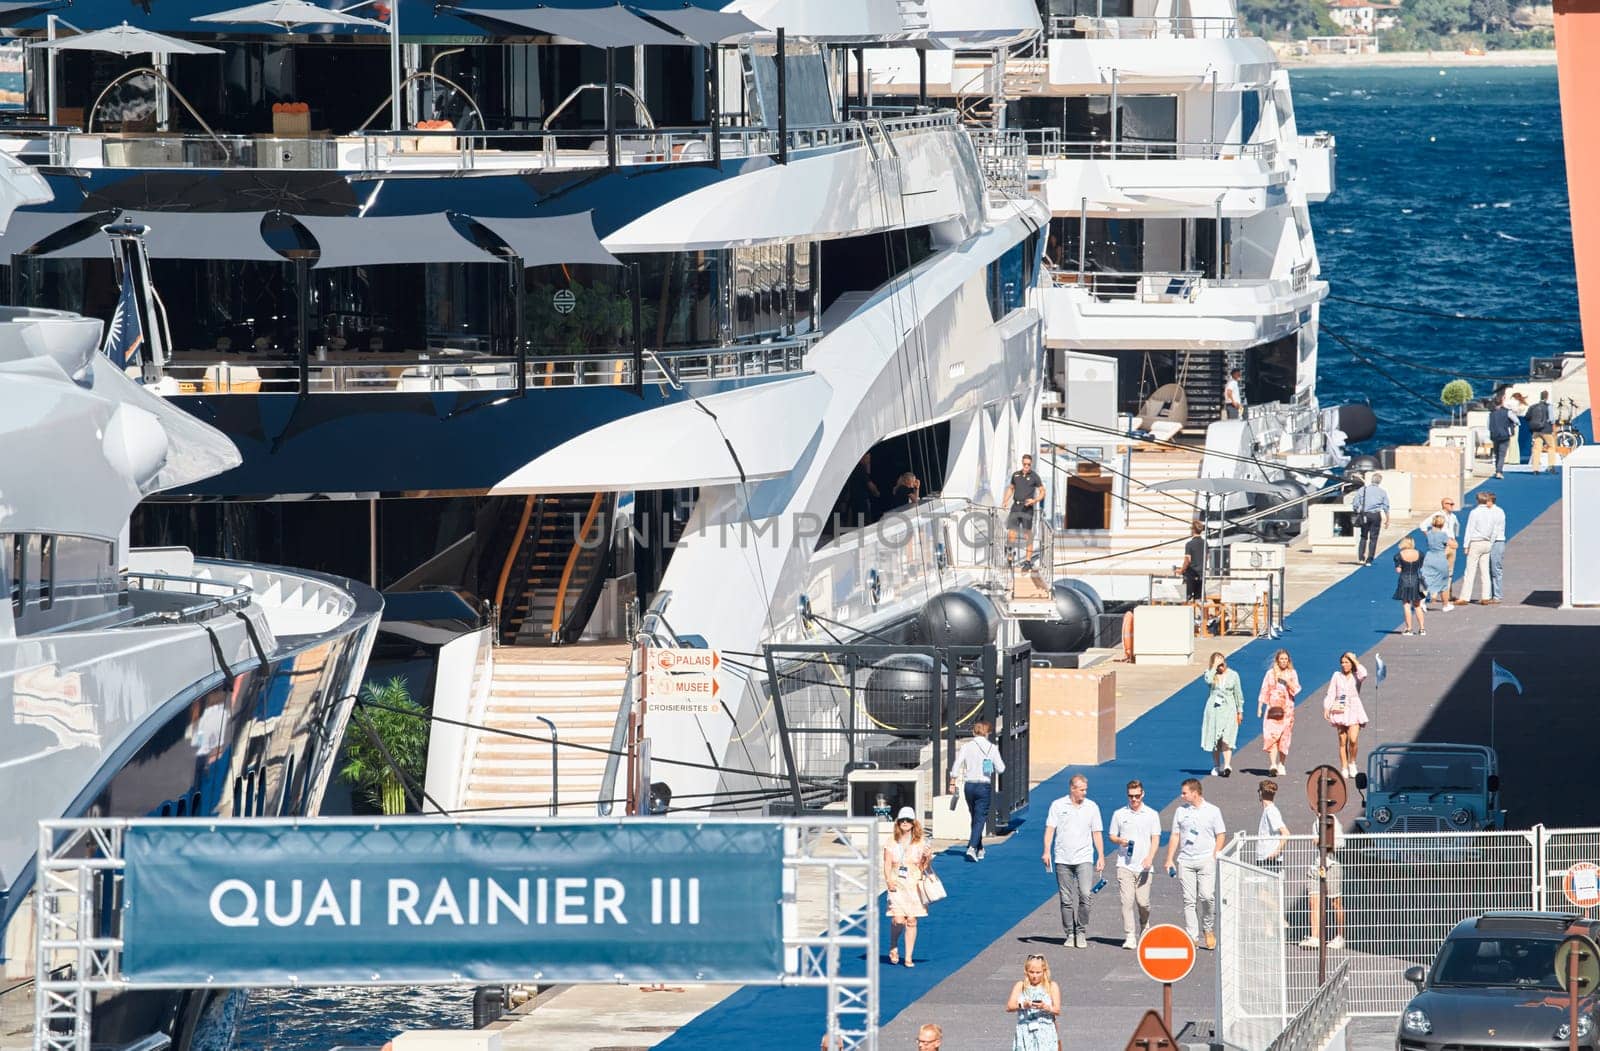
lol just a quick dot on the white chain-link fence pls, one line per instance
(1391, 902)
(1252, 975)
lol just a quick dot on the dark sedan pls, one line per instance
(1493, 985)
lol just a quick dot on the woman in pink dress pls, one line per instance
(1343, 710)
(1280, 688)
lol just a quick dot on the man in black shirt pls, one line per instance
(1024, 493)
(1194, 560)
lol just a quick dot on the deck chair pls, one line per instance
(1164, 413)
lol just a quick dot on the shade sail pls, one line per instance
(288, 14)
(12, 13)
(371, 241)
(187, 235)
(128, 40)
(680, 446)
(613, 26)
(544, 240)
(705, 27)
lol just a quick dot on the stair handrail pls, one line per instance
(558, 614)
(555, 768)
(589, 592)
(511, 558)
(654, 621)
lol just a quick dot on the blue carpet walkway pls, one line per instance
(1161, 748)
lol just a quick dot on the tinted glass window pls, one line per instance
(1523, 962)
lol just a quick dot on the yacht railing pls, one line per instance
(1322, 140)
(488, 373)
(213, 598)
(1048, 144)
(468, 150)
(1090, 27)
(1171, 286)
(1003, 158)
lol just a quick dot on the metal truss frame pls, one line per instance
(78, 905)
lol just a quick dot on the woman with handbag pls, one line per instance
(1342, 708)
(1280, 687)
(1036, 1000)
(1436, 563)
(906, 861)
(1219, 728)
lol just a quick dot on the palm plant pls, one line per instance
(387, 710)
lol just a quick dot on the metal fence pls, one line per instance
(1323, 1015)
(1401, 895)
(877, 706)
(1252, 968)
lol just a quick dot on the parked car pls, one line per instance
(1493, 984)
(1432, 788)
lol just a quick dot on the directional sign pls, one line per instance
(1166, 953)
(681, 681)
(1581, 885)
(1588, 963)
(1335, 790)
(663, 659)
(1152, 1035)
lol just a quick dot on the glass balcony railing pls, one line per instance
(1092, 27)
(415, 150)
(1048, 144)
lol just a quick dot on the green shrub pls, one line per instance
(402, 725)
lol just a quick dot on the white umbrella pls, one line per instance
(288, 14)
(128, 40)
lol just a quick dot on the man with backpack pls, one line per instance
(1502, 427)
(1371, 507)
(1543, 429)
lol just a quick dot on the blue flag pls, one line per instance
(125, 335)
(1383, 669)
(1500, 677)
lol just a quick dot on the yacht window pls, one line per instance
(581, 309)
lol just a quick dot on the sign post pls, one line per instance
(1327, 793)
(1577, 967)
(1166, 954)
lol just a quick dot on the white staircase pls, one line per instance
(511, 775)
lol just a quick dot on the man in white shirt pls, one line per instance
(1452, 531)
(1074, 828)
(973, 775)
(1272, 835)
(1136, 831)
(1198, 835)
(1479, 542)
(1232, 397)
(1497, 546)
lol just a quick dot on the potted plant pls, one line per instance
(402, 725)
(1455, 394)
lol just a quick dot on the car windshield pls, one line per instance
(1431, 773)
(1525, 963)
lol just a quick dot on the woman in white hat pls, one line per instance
(905, 860)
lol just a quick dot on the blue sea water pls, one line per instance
(1450, 195)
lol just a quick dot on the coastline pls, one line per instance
(1403, 59)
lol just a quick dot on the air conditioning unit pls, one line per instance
(1256, 556)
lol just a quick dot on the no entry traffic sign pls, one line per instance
(1166, 953)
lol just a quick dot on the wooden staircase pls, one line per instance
(547, 584)
(511, 775)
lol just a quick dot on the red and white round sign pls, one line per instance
(1166, 953)
(1581, 885)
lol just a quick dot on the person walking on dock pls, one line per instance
(1198, 835)
(1194, 560)
(1371, 507)
(1502, 428)
(1436, 563)
(1136, 832)
(973, 772)
(1342, 707)
(1479, 540)
(1541, 427)
(1073, 828)
(1280, 688)
(1408, 590)
(905, 861)
(1219, 726)
(1036, 1001)
(1497, 545)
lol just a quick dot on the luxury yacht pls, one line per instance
(606, 318)
(140, 682)
(1180, 248)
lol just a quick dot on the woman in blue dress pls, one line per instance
(1036, 1000)
(1436, 563)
